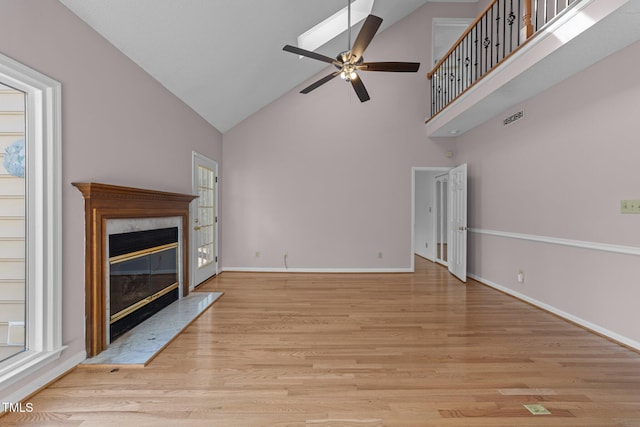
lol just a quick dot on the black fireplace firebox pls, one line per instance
(143, 276)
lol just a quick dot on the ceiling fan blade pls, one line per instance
(358, 86)
(319, 82)
(399, 67)
(309, 54)
(368, 30)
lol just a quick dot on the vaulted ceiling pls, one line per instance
(224, 58)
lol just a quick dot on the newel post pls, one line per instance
(527, 26)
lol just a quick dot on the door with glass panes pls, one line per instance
(204, 220)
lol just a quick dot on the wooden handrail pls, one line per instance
(466, 32)
(526, 20)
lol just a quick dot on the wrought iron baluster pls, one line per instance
(503, 32)
(519, 21)
(465, 58)
(433, 95)
(458, 69)
(467, 61)
(486, 43)
(491, 20)
(439, 88)
(446, 81)
(497, 33)
(470, 58)
(454, 75)
(476, 49)
(511, 19)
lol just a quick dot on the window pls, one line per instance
(334, 25)
(12, 222)
(41, 273)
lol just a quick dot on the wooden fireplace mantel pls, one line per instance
(103, 202)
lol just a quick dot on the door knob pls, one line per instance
(462, 228)
(197, 227)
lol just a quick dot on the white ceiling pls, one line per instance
(223, 58)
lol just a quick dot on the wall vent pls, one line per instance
(512, 118)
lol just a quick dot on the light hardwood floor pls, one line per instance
(319, 350)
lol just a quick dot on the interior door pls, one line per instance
(457, 242)
(204, 217)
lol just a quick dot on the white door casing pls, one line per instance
(204, 220)
(457, 242)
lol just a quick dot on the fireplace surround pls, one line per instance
(105, 203)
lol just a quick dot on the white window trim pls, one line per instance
(44, 219)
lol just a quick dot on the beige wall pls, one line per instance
(561, 173)
(119, 126)
(327, 179)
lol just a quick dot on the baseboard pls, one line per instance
(428, 258)
(43, 380)
(317, 270)
(423, 255)
(628, 342)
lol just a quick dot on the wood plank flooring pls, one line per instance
(370, 350)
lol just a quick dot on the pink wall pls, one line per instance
(561, 172)
(327, 178)
(119, 126)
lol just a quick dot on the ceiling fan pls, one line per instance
(351, 60)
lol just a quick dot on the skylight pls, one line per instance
(334, 25)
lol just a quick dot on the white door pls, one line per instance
(204, 220)
(457, 242)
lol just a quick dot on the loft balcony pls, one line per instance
(517, 49)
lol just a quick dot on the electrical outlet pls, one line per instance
(630, 206)
(520, 276)
(379, 255)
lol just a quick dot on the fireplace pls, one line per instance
(143, 276)
(136, 265)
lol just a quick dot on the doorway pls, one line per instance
(441, 229)
(204, 218)
(423, 212)
(445, 33)
(439, 200)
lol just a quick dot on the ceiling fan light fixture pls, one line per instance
(351, 60)
(348, 76)
(348, 71)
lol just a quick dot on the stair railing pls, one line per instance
(501, 29)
